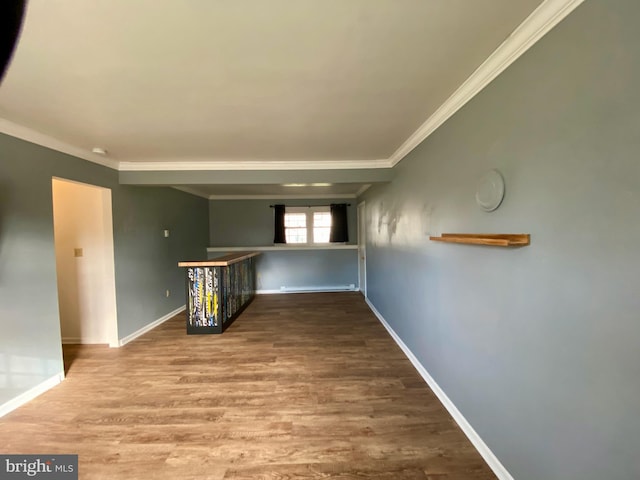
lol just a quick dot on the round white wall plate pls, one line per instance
(490, 191)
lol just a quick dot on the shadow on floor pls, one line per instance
(72, 352)
(69, 355)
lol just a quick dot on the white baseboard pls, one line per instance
(150, 326)
(489, 457)
(81, 341)
(30, 394)
(310, 289)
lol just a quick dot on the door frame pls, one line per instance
(362, 249)
(108, 253)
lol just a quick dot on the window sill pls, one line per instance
(267, 248)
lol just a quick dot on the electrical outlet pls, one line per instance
(77, 252)
(168, 293)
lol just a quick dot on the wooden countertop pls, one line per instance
(223, 261)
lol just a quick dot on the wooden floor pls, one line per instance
(300, 386)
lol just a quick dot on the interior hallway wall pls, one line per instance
(145, 261)
(536, 346)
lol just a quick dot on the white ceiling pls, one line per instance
(266, 83)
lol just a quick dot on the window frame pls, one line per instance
(309, 224)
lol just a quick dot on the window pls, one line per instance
(310, 225)
(305, 225)
(295, 227)
(321, 226)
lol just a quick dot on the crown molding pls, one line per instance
(250, 164)
(191, 191)
(363, 189)
(548, 14)
(30, 135)
(318, 196)
(33, 136)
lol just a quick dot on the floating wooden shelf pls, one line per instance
(494, 239)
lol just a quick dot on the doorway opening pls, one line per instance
(85, 268)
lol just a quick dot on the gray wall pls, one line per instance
(250, 222)
(247, 223)
(318, 269)
(537, 346)
(145, 262)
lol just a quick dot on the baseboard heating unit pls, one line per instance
(325, 288)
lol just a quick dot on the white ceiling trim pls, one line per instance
(363, 189)
(535, 26)
(192, 191)
(319, 196)
(30, 135)
(255, 164)
(33, 136)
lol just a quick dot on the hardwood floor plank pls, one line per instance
(299, 387)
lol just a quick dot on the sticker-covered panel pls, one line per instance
(203, 293)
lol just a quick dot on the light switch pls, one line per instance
(166, 234)
(77, 252)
